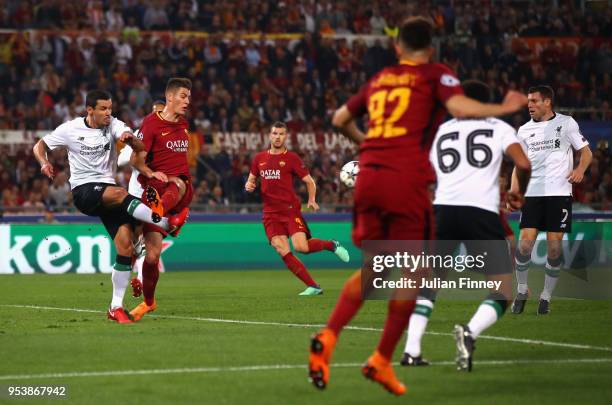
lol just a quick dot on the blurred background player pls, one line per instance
(92, 155)
(164, 174)
(550, 139)
(468, 211)
(405, 104)
(282, 213)
(135, 189)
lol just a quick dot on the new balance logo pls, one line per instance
(81, 138)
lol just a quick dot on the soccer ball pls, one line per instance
(348, 173)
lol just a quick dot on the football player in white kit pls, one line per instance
(467, 155)
(135, 189)
(550, 140)
(92, 154)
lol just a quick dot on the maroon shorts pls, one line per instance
(391, 206)
(161, 188)
(504, 221)
(287, 224)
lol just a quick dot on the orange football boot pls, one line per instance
(154, 202)
(141, 309)
(379, 369)
(322, 346)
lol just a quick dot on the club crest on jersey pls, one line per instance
(558, 131)
(449, 80)
(178, 145)
(281, 163)
(270, 174)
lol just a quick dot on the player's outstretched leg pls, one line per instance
(174, 192)
(315, 245)
(323, 343)
(489, 312)
(416, 328)
(378, 367)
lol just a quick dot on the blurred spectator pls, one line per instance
(242, 85)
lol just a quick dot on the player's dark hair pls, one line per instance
(278, 124)
(477, 90)
(546, 91)
(94, 95)
(175, 83)
(415, 33)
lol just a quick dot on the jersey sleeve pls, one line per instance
(575, 137)
(118, 127)
(57, 138)
(446, 84)
(299, 168)
(124, 156)
(254, 163)
(147, 135)
(357, 104)
(508, 137)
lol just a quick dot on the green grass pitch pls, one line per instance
(184, 354)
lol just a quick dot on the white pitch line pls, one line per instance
(305, 325)
(114, 373)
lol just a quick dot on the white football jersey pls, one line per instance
(92, 152)
(548, 144)
(467, 155)
(134, 187)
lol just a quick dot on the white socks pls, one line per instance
(484, 317)
(417, 325)
(120, 279)
(138, 266)
(522, 275)
(143, 213)
(550, 281)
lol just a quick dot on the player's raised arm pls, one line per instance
(461, 106)
(55, 139)
(344, 121)
(311, 186)
(129, 139)
(40, 153)
(137, 161)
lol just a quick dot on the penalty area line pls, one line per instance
(271, 367)
(305, 325)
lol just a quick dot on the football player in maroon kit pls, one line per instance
(405, 104)
(282, 216)
(164, 174)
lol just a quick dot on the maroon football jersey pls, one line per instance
(276, 173)
(166, 143)
(405, 106)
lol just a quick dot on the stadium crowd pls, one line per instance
(244, 84)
